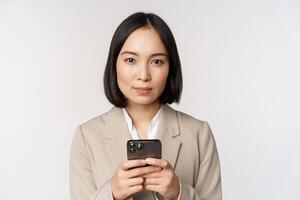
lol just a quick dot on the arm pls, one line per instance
(208, 183)
(82, 184)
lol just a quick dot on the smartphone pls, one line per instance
(142, 149)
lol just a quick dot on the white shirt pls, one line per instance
(152, 129)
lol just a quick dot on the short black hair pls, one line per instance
(173, 88)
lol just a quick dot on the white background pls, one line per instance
(241, 68)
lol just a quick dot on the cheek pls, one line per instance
(162, 77)
(122, 75)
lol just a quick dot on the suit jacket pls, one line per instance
(99, 145)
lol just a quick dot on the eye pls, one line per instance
(157, 62)
(129, 60)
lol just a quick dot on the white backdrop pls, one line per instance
(241, 67)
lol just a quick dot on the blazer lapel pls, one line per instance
(117, 134)
(168, 129)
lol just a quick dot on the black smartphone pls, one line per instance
(142, 149)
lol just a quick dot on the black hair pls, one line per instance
(173, 87)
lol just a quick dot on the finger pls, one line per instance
(154, 188)
(157, 162)
(132, 163)
(139, 171)
(153, 181)
(153, 175)
(134, 189)
(135, 181)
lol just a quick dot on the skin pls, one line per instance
(142, 71)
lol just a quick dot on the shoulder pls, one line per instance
(187, 121)
(94, 123)
(98, 124)
(190, 126)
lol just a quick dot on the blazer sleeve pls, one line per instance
(208, 182)
(82, 182)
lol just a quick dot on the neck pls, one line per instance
(142, 113)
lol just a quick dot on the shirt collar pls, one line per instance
(152, 129)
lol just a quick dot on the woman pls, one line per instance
(142, 76)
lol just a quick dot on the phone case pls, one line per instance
(142, 149)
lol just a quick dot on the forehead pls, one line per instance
(145, 41)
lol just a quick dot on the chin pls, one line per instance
(144, 102)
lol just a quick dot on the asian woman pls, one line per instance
(142, 76)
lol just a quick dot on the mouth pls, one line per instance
(142, 90)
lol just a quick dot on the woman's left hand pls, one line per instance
(165, 182)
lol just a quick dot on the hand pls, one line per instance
(165, 182)
(128, 178)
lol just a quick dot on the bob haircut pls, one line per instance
(173, 87)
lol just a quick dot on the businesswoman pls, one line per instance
(142, 76)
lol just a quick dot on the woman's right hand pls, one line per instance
(127, 179)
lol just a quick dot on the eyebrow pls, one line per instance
(136, 54)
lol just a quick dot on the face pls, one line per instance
(142, 67)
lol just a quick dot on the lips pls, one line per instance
(143, 90)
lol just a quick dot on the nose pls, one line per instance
(144, 74)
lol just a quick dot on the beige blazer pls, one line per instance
(99, 145)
